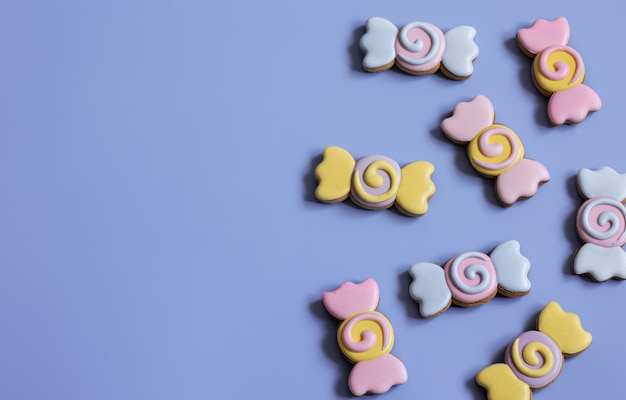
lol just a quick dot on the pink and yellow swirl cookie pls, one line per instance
(558, 71)
(374, 182)
(601, 224)
(535, 358)
(419, 48)
(365, 337)
(470, 279)
(495, 150)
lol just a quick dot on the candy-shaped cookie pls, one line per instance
(365, 337)
(601, 224)
(374, 182)
(470, 279)
(535, 358)
(419, 48)
(558, 71)
(495, 150)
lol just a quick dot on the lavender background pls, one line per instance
(159, 234)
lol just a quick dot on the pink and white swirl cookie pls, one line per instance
(470, 279)
(374, 182)
(365, 338)
(535, 358)
(601, 224)
(419, 48)
(495, 150)
(558, 71)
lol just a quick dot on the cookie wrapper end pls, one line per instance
(377, 376)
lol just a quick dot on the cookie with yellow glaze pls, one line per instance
(558, 71)
(565, 328)
(374, 182)
(365, 338)
(495, 150)
(535, 358)
(508, 387)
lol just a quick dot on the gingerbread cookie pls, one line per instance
(365, 337)
(374, 182)
(494, 150)
(558, 71)
(535, 358)
(470, 279)
(419, 48)
(601, 224)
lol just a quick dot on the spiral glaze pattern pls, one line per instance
(365, 336)
(602, 221)
(558, 68)
(471, 277)
(534, 358)
(375, 182)
(495, 149)
(420, 47)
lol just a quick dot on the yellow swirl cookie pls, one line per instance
(365, 336)
(495, 149)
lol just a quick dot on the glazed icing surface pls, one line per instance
(495, 149)
(377, 376)
(573, 104)
(602, 221)
(429, 288)
(365, 336)
(416, 187)
(543, 34)
(351, 298)
(558, 68)
(511, 266)
(333, 174)
(534, 358)
(471, 277)
(461, 50)
(375, 181)
(420, 46)
(604, 181)
(565, 328)
(602, 263)
(521, 181)
(502, 384)
(378, 43)
(468, 118)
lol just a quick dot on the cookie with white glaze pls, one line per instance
(601, 225)
(470, 279)
(419, 48)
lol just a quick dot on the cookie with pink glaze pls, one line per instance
(558, 71)
(535, 358)
(601, 225)
(365, 338)
(495, 150)
(470, 279)
(419, 48)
